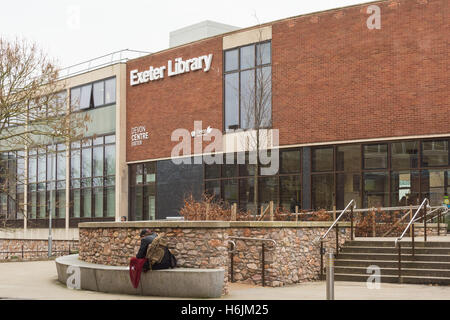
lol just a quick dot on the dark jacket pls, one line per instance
(165, 263)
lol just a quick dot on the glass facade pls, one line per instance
(47, 182)
(93, 95)
(248, 87)
(142, 191)
(236, 183)
(375, 175)
(79, 177)
(92, 178)
(380, 174)
(12, 172)
(92, 182)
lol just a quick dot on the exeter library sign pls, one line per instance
(174, 68)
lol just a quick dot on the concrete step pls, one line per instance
(394, 257)
(439, 273)
(391, 243)
(394, 279)
(393, 264)
(393, 250)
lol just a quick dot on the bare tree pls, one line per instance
(34, 108)
(256, 103)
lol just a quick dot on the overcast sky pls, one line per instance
(73, 31)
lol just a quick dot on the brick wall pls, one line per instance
(333, 79)
(174, 102)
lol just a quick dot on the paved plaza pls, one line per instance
(38, 280)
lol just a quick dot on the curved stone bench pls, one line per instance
(178, 282)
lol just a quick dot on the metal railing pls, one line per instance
(422, 207)
(22, 253)
(100, 62)
(263, 259)
(351, 205)
(442, 212)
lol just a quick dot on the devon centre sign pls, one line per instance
(174, 68)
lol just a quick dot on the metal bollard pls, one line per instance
(330, 276)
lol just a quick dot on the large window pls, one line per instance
(375, 156)
(435, 153)
(92, 178)
(248, 87)
(405, 155)
(435, 184)
(376, 189)
(322, 190)
(235, 183)
(143, 191)
(323, 178)
(379, 175)
(47, 182)
(12, 170)
(45, 107)
(322, 159)
(405, 188)
(93, 95)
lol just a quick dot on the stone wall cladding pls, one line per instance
(193, 248)
(295, 259)
(432, 230)
(34, 249)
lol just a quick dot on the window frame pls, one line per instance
(93, 107)
(238, 177)
(133, 186)
(239, 71)
(76, 184)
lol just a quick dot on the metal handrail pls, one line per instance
(255, 239)
(263, 263)
(234, 246)
(413, 219)
(338, 218)
(443, 214)
(411, 225)
(385, 209)
(337, 232)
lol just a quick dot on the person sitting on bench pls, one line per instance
(158, 256)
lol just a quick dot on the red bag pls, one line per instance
(136, 266)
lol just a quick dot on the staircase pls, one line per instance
(430, 265)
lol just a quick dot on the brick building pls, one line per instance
(360, 111)
(351, 109)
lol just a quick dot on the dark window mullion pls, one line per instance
(255, 92)
(103, 179)
(71, 211)
(92, 172)
(389, 153)
(81, 183)
(239, 88)
(104, 97)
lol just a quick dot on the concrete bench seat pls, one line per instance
(178, 282)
